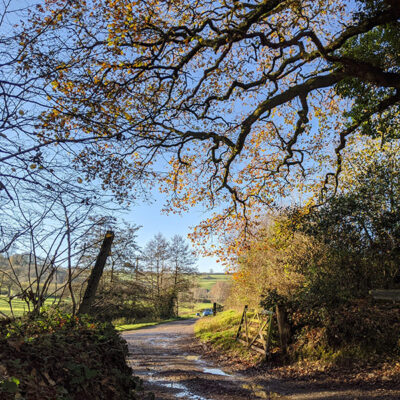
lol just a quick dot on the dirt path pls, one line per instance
(164, 357)
(161, 356)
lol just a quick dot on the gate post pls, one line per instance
(241, 322)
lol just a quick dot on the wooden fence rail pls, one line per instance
(255, 330)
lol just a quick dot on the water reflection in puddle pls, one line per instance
(192, 363)
(215, 371)
(183, 391)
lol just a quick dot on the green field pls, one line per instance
(207, 281)
(19, 306)
(190, 310)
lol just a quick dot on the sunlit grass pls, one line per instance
(19, 307)
(190, 310)
(220, 332)
(207, 281)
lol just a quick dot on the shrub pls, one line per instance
(356, 329)
(60, 356)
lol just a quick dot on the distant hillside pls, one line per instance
(207, 281)
(23, 266)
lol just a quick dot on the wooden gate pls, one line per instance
(255, 330)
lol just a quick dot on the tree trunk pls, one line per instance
(96, 274)
(283, 327)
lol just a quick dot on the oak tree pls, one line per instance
(231, 104)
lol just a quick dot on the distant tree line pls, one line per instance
(136, 282)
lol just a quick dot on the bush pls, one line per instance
(63, 357)
(120, 299)
(164, 306)
(361, 327)
(375, 326)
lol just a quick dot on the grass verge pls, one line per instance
(219, 333)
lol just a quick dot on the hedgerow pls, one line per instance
(64, 357)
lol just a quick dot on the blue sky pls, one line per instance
(149, 215)
(153, 221)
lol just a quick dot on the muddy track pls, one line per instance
(161, 356)
(165, 357)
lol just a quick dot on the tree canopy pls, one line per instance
(231, 104)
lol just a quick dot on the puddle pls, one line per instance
(215, 371)
(147, 373)
(174, 385)
(203, 365)
(189, 395)
(183, 391)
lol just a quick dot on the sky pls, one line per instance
(154, 221)
(148, 215)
